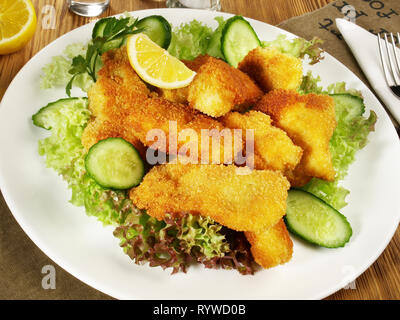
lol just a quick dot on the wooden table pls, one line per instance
(382, 280)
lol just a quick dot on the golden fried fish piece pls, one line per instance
(180, 95)
(244, 202)
(309, 120)
(174, 95)
(219, 88)
(273, 149)
(117, 90)
(271, 247)
(272, 69)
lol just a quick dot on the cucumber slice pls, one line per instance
(315, 221)
(157, 28)
(44, 116)
(115, 163)
(348, 107)
(238, 38)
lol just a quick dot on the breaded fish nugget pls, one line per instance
(157, 113)
(309, 120)
(219, 88)
(181, 95)
(117, 89)
(272, 69)
(271, 247)
(274, 150)
(242, 202)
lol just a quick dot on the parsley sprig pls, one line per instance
(108, 33)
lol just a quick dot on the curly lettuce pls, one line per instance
(55, 73)
(171, 243)
(298, 47)
(63, 148)
(190, 40)
(64, 153)
(214, 46)
(176, 242)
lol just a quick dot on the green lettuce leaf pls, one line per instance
(172, 243)
(203, 235)
(63, 148)
(176, 242)
(190, 40)
(55, 73)
(64, 153)
(297, 47)
(214, 46)
(310, 84)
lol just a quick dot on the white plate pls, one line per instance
(38, 198)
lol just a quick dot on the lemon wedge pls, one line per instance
(155, 65)
(17, 24)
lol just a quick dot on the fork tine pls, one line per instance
(396, 56)
(391, 64)
(384, 66)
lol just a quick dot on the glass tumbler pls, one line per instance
(88, 8)
(195, 4)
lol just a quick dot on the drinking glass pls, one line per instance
(88, 8)
(195, 4)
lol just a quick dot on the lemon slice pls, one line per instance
(17, 24)
(155, 65)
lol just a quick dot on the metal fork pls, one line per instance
(390, 64)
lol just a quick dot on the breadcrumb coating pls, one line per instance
(158, 113)
(181, 95)
(99, 129)
(309, 120)
(174, 95)
(117, 90)
(272, 69)
(242, 202)
(219, 88)
(271, 247)
(273, 149)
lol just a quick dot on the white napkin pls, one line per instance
(364, 46)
